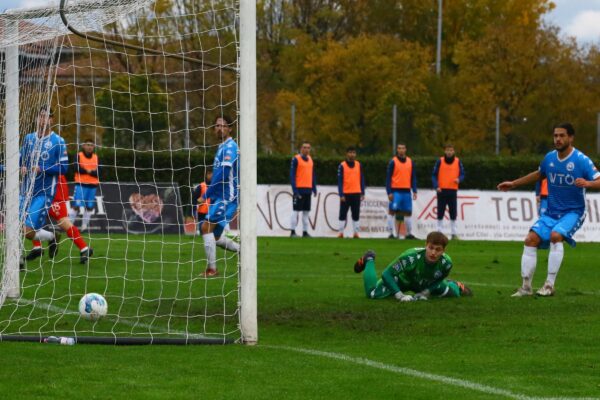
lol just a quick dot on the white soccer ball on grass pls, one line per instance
(93, 306)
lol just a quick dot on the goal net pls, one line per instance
(136, 92)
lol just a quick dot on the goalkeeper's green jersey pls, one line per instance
(411, 271)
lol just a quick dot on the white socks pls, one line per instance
(87, 214)
(73, 214)
(210, 248)
(555, 257)
(341, 226)
(294, 220)
(390, 223)
(228, 244)
(440, 225)
(408, 224)
(305, 221)
(43, 235)
(528, 263)
(453, 227)
(356, 226)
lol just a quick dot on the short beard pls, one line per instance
(561, 149)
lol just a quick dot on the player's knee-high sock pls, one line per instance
(408, 223)
(85, 221)
(390, 223)
(341, 226)
(528, 263)
(36, 243)
(440, 225)
(369, 277)
(356, 226)
(210, 247)
(228, 244)
(453, 227)
(294, 220)
(305, 221)
(43, 235)
(75, 235)
(555, 258)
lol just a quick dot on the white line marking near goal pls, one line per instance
(423, 375)
(156, 329)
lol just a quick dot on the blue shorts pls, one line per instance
(37, 211)
(84, 196)
(566, 226)
(221, 212)
(402, 201)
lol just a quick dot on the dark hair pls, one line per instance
(437, 238)
(401, 144)
(88, 140)
(47, 109)
(302, 143)
(566, 126)
(226, 118)
(447, 145)
(350, 148)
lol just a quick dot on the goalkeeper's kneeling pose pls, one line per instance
(418, 270)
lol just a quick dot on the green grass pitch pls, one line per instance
(319, 337)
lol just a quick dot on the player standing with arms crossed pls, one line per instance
(400, 179)
(87, 168)
(448, 173)
(304, 182)
(351, 189)
(569, 173)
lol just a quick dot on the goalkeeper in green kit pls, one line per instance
(422, 271)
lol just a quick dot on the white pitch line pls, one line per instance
(157, 329)
(423, 375)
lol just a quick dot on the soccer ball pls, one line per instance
(93, 306)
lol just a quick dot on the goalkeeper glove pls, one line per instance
(403, 297)
(421, 296)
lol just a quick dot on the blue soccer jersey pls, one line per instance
(563, 195)
(49, 153)
(224, 183)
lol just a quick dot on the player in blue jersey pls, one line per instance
(223, 195)
(43, 158)
(569, 173)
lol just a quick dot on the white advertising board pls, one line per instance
(482, 215)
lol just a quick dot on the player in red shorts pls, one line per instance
(58, 212)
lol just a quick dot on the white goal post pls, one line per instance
(145, 81)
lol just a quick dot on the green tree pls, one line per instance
(132, 111)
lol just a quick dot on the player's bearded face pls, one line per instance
(222, 128)
(433, 252)
(562, 140)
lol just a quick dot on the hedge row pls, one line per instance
(187, 168)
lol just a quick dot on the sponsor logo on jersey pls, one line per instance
(561, 179)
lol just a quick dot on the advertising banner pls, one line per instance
(136, 208)
(482, 215)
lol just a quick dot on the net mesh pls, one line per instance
(150, 113)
